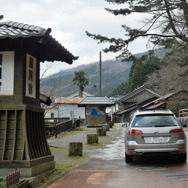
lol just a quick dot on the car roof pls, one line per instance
(148, 112)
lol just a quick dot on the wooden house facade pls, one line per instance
(95, 109)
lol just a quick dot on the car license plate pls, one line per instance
(156, 140)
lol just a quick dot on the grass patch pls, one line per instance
(102, 140)
(63, 163)
(59, 170)
(2, 183)
(62, 157)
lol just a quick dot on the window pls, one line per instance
(159, 120)
(52, 115)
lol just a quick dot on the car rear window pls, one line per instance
(156, 120)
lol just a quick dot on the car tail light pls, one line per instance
(135, 132)
(176, 131)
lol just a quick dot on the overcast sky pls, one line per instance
(69, 19)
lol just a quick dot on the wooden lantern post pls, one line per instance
(23, 143)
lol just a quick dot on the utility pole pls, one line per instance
(100, 72)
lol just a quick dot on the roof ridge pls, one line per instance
(39, 30)
(15, 30)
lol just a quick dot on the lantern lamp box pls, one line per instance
(23, 143)
(6, 73)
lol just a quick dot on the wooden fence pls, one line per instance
(57, 125)
(12, 178)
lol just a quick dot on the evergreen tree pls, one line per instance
(80, 79)
(140, 69)
(166, 24)
(121, 89)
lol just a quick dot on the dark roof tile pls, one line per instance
(15, 30)
(96, 101)
(19, 30)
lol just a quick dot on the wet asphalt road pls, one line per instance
(107, 169)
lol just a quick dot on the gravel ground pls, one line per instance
(80, 135)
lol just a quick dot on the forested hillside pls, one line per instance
(115, 76)
(114, 72)
(172, 75)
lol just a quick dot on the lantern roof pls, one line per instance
(49, 49)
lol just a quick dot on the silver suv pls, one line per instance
(154, 132)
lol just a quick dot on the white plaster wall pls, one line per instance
(66, 109)
(48, 112)
(109, 109)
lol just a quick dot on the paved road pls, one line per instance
(107, 169)
(102, 174)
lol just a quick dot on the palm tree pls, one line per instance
(80, 79)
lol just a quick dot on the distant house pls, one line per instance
(173, 101)
(115, 107)
(68, 106)
(51, 112)
(95, 109)
(138, 95)
(125, 115)
(133, 101)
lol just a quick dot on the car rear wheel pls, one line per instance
(128, 158)
(182, 157)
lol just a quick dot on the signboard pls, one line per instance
(7, 73)
(30, 76)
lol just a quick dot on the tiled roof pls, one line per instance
(96, 100)
(160, 101)
(16, 30)
(129, 96)
(49, 48)
(127, 110)
(62, 100)
(165, 97)
(155, 106)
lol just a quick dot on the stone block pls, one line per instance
(75, 149)
(101, 131)
(92, 138)
(111, 124)
(107, 127)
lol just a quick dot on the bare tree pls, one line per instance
(172, 76)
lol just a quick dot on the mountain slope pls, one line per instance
(114, 72)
